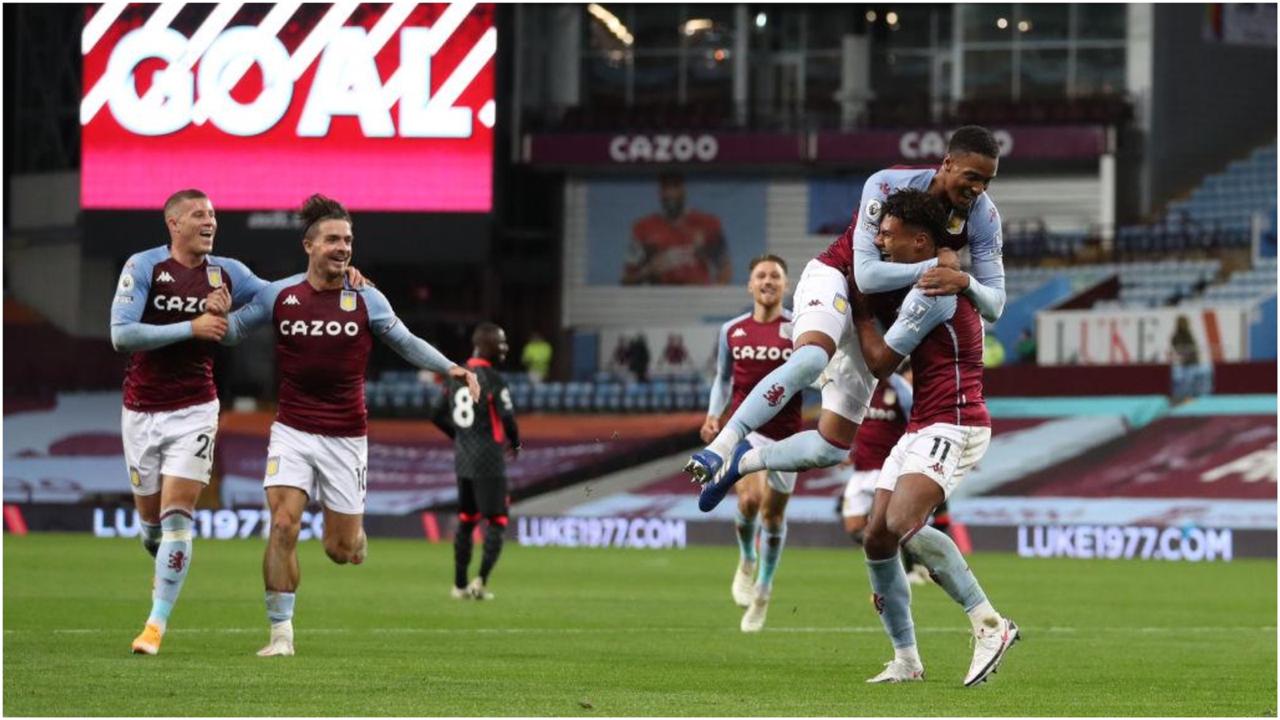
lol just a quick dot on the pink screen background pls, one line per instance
(277, 169)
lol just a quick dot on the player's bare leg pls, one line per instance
(813, 350)
(148, 507)
(176, 504)
(280, 572)
(773, 535)
(344, 537)
(750, 492)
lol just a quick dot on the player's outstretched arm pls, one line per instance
(128, 332)
(721, 386)
(872, 274)
(257, 312)
(413, 349)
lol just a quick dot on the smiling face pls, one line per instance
(192, 225)
(965, 176)
(329, 248)
(904, 243)
(767, 284)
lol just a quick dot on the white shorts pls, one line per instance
(941, 451)
(859, 492)
(821, 303)
(171, 442)
(780, 480)
(330, 470)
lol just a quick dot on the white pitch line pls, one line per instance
(855, 630)
(437, 36)
(99, 23)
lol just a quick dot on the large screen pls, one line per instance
(383, 107)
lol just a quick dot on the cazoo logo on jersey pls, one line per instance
(266, 85)
(760, 352)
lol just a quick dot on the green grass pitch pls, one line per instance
(588, 632)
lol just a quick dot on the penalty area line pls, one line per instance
(856, 630)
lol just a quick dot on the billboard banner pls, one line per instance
(868, 147)
(384, 107)
(1127, 337)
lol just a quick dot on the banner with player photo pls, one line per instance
(669, 230)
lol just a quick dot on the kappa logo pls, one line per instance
(937, 468)
(885, 189)
(292, 300)
(739, 333)
(815, 303)
(164, 276)
(773, 395)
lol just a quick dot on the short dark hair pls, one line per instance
(483, 330)
(974, 139)
(189, 194)
(766, 257)
(917, 208)
(317, 208)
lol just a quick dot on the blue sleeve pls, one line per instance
(906, 395)
(722, 384)
(128, 332)
(387, 326)
(986, 242)
(244, 284)
(257, 312)
(872, 274)
(919, 315)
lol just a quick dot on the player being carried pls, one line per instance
(823, 335)
(479, 430)
(170, 417)
(751, 345)
(947, 434)
(319, 447)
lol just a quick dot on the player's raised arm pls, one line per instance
(871, 273)
(413, 349)
(257, 312)
(129, 333)
(721, 386)
(984, 284)
(919, 315)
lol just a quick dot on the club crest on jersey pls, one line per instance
(135, 478)
(784, 330)
(955, 224)
(215, 276)
(347, 301)
(890, 397)
(273, 466)
(840, 303)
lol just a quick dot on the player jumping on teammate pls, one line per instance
(751, 345)
(479, 430)
(169, 422)
(319, 447)
(824, 339)
(947, 434)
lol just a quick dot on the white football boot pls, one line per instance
(753, 619)
(989, 647)
(899, 671)
(281, 642)
(744, 583)
(478, 591)
(458, 593)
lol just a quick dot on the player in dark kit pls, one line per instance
(319, 447)
(169, 422)
(479, 430)
(947, 434)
